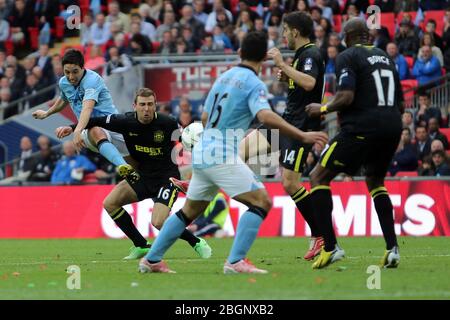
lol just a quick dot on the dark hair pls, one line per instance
(300, 21)
(254, 46)
(424, 94)
(407, 129)
(73, 56)
(432, 21)
(438, 152)
(420, 126)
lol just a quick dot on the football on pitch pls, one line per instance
(191, 134)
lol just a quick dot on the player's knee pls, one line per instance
(262, 212)
(157, 222)
(373, 182)
(96, 134)
(109, 205)
(264, 202)
(290, 186)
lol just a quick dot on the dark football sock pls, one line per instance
(302, 199)
(189, 237)
(384, 208)
(323, 203)
(125, 223)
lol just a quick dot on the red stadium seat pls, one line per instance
(34, 37)
(400, 16)
(446, 132)
(9, 47)
(337, 20)
(407, 174)
(388, 21)
(410, 61)
(409, 87)
(156, 46)
(90, 178)
(59, 28)
(438, 16)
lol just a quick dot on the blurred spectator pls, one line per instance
(446, 39)
(259, 25)
(15, 83)
(428, 40)
(426, 5)
(431, 28)
(140, 44)
(423, 142)
(155, 8)
(407, 41)
(273, 37)
(167, 45)
(144, 12)
(164, 108)
(193, 43)
(435, 134)
(199, 13)
(168, 23)
(5, 99)
(335, 40)
(71, 167)
(100, 32)
(427, 67)
(408, 122)
(436, 166)
(426, 110)
(45, 162)
(316, 14)
(32, 87)
(4, 32)
(57, 67)
(437, 145)
(209, 46)
(44, 61)
(26, 162)
(85, 29)
(184, 105)
(5, 9)
(332, 53)
(117, 62)
(20, 20)
(361, 5)
(187, 19)
(28, 64)
(326, 25)
(327, 13)
(405, 158)
(185, 119)
(321, 40)
(116, 16)
(212, 18)
(181, 46)
(399, 59)
(406, 5)
(379, 39)
(145, 28)
(221, 39)
(274, 5)
(244, 22)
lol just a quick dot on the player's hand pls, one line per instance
(63, 131)
(40, 114)
(78, 141)
(313, 110)
(282, 77)
(275, 54)
(321, 138)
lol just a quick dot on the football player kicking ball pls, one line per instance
(368, 101)
(236, 97)
(148, 136)
(86, 93)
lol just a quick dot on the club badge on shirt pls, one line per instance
(308, 64)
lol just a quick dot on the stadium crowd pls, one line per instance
(112, 32)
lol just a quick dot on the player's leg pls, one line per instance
(254, 143)
(378, 161)
(200, 193)
(345, 153)
(167, 195)
(121, 195)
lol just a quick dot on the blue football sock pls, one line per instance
(247, 230)
(110, 152)
(172, 228)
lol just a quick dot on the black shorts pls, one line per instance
(293, 153)
(160, 190)
(348, 152)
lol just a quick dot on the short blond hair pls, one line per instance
(144, 92)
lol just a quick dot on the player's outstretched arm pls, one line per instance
(342, 100)
(273, 120)
(59, 105)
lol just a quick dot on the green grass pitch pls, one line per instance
(36, 269)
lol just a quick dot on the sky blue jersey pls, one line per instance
(91, 87)
(232, 103)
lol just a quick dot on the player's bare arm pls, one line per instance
(273, 120)
(204, 118)
(88, 106)
(342, 100)
(58, 106)
(301, 79)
